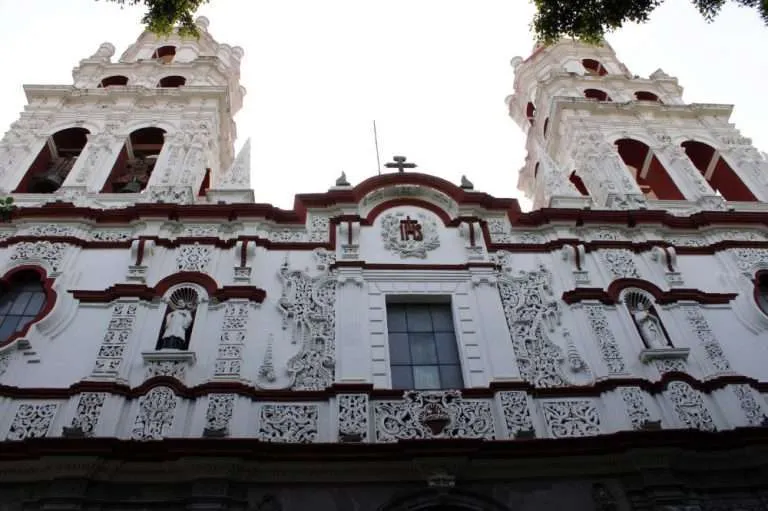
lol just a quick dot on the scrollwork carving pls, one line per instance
(752, 410)
(219, 412)
(43, 251)
(115, 340)
(571, 418)
(517, 415)
(620, 263)
(193, 258)
(156, 412)
(609, 348)
(308, 308)
(32, 421)
(689, 406)
(410, 237)
(634, 401)
(700, 327)
(532, 314)
(288, 423)
(433, 414)
(353, 417)
(88, 412)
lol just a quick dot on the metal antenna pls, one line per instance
(376, 142)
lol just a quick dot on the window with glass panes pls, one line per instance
(20, 304)
(423, 352)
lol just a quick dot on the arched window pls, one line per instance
(578, 183)
(597, 95)
(530, 112)
(593, 67)
(136, 161)
(110, 81)
(54, 162)
(643, 95)
(646, 319)
(165, 54)
(22, 300)
(647, 170)
(179, 318)
(720, 176)
(172, 81)
(761, 291)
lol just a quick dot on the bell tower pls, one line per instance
(155, 125)
(599, 136)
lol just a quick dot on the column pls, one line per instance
(685, 174)
(95, 163)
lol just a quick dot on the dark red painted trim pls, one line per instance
(144, 292)
(6, 282)
(233, 387)
(176, 449)
(405, 267)
(384, 206)
(611, 295)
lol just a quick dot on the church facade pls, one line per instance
(400, 344)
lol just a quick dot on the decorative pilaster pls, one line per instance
(354, 364)
(94, 165)
(234, 330)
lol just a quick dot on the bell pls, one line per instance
(48, 182)
(132, 186)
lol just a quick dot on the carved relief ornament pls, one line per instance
(409, 235)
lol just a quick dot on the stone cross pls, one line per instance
(400, 164)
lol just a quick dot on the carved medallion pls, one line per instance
(409, 236)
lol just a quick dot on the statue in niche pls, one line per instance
(178, 320)
(649, 327)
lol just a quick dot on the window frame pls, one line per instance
(11, 278)
(445, 303)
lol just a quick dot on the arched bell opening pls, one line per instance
(54, 162)
(720, 176)
(597, 95)
(112, 81)
(170, 82)
(594, 67)
(165, 54)
(578, 183)
(136, 161)
(650, 175)
(643, 95)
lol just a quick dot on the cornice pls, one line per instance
(257, 394)
(610, 296)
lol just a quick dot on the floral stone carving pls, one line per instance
(193, 258)
(308, 307)
(517, 416)
(353, 417)
(433, 414)
(219, 414)
(115, 340)
(752, 410)
(609, 348)
(700, 326)
(233, 334)
(173, 368)
(532, 314)
(288, 423)
(620, 263)
(44, 251)
(32, 421)
(689, 406)
(409, 236)
(88, 412)
(156, 411)
(571, 418)
(634, 401)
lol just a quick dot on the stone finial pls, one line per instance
(239, 174)
(516, 61)
(104, 53)
(466, 184)
(203, 23)
(342, 180)
(658, 74)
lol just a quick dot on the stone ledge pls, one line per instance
(650, 354)
(169, 356)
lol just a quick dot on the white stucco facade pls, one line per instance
(289, 340)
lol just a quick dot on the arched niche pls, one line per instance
(54, 161)
(164, 54)
(720, 176)
(650, 175)
(173, 81)
(112, 81)
(136, 161)
(597, 95)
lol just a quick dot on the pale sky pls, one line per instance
(433, 73)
